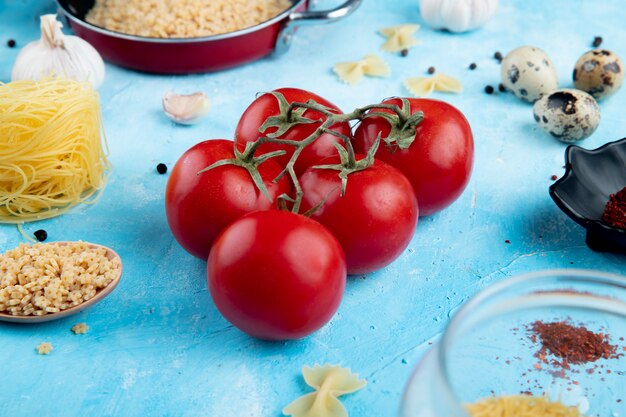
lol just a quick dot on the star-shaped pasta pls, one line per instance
(423, 86)
(399, 37)
(330, 382)
(352, 72)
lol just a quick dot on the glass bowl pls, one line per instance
(490, 350)
(591, 176)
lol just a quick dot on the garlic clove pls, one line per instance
(186, 109)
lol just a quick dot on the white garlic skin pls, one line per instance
(529, 73)
(457, 15)
(58, 55)
(186, 109)
(569, 115)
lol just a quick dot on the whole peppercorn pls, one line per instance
(41, 235)
(498, 56)
(11, 43)
(489, 89)
(431, 70)
(404, 52)
(472, 66)
(501, 88)
(597, 41)
(161, 168)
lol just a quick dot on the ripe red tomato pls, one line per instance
(276, 275)
(266, 105)
(438, 163)
(198, 207)
(374, 221)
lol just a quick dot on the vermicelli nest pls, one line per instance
(52, 148)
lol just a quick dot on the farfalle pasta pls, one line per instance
(330, 382)
(353, 71)
(399, 37)
(423, 86)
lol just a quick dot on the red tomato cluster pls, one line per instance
(279, 275)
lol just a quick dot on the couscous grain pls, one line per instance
(182, 18)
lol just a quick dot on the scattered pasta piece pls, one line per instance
(399, 37)
(423, 86)
(352, 72)
(330, 382)
(80, 328)
(44, 348)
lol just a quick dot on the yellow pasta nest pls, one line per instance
(51, 148)
(520, 406)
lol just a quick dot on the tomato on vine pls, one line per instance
(374, 218)
(276, 275)
(200, 204)
(269, 111)
(438, 161)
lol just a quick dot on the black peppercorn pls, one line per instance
(597, 41)
(498, 56)
(404, 52)
(41, 235)
(473, 66)
(501, 88)
(431, 70)
(161, 168)
(11, 43)
(489, 89)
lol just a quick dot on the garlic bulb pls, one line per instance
(186, 109)
(58, 55)
(457, 15)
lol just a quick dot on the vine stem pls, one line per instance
(293, 114)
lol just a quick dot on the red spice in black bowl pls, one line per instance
(591, 176)
(615, 210)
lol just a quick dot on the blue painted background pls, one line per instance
(158, 347)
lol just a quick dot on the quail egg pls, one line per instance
(529, 73)
(599, 72)
(569, 115)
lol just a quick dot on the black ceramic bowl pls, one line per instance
(590, 178)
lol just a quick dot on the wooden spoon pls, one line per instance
(100, 294)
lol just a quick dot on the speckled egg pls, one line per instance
(529, 73)
(599, 72)
(569, 115)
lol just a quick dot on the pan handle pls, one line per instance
(296, 19)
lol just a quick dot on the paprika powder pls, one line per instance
(571, 344)
(615, 210)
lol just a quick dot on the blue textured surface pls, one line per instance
(157, 346)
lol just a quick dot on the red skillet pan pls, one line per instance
(191, 55)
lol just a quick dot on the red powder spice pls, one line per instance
(571, 344)
(615, 210)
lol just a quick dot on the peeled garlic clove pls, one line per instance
(186, 109)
